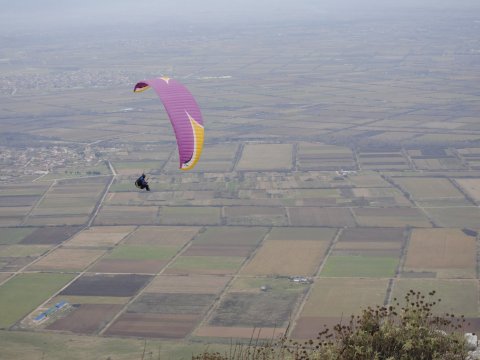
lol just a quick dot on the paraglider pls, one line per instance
(142, 183)
(184, 114)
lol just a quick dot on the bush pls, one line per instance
(381, 333)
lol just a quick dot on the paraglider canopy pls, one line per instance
(184, 114)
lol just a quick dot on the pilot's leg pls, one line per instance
(147, 187)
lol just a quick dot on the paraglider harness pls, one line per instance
(141, 183)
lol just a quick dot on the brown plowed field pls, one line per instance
(308, 327)
(437, 249)
(106, 285)
(314, 216)
(287, 257)
(154, 325)
(188, 284)
(292, 233)
(87, 319)
(128, 266)
(50, 235)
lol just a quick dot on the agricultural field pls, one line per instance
(382, 161)
(254, 308)
(189, 215)
(22, 293)
(360, 265)
(329, 181)
(10, 236)
(455, 217)
(66, 260)
(49, 235)
(68, 202)
(287, 257)
(162, 235)
(311, 156)
(86, 318)
(435, 159)
(266, 157)
(106, 285)
(459, 297)
(255, 215)
(208, 265)
(471, 187)
(226, 241)
(331, 298)
(100, 237)
(391, 217)
(432, 191)
(317, 216)
(379, 197)
(127, 215)
(448, 253)
(135, 168)
(192, 284)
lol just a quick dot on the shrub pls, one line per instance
(407, 332)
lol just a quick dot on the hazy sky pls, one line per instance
(55, 14)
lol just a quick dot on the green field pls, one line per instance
(142, 252)
(71, 173)
(457, 296)
(121, 187)
(231, 235)
(34, 346)
(23, 293)
(137, 165)
(335, 297)
(23, 250)
(14, 235)
(204, 215)
(297, 233)
(359, 266)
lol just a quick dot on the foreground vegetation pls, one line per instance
(404, 331)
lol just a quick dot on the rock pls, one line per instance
(474, 355)
(471, 341)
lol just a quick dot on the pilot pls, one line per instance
(142, 183)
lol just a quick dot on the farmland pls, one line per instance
(333, 177)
